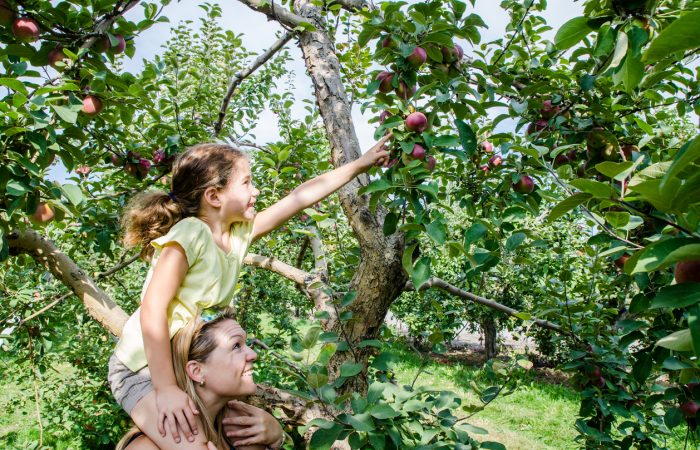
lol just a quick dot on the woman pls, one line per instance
(214, 366)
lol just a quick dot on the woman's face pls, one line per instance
(228, 370)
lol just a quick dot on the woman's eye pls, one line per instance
(236, 346)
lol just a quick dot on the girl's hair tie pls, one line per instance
(172, 196)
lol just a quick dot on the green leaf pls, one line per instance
(682, 34)
(694, 325)
(673, 417)
(680, 341)
(617, 171)
(490, 445)
(311, 337)
(515, 240)
(568, 204)
(16, 188)
(677, 296)
(683, 159)
(653, 256)
(685, 253)
(73, 193)
(382, 411)
(437, 231)
(323, 438)
(474, 233)
(421, 272)
(617, 219)
(14, 84)
(67, 114)
(466, 136)
(360, 422)
(595, 188)
(572, 32)
(349, 369)
(381, 184)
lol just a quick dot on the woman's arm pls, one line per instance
(174, 406)
(317, 189)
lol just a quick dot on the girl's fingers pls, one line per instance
(191, 421)
(173, 428)
(161, 424)
(193, 407)
(184, 425)
(211, 446)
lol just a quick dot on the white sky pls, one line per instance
(259, 33)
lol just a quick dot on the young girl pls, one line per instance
(196, 237)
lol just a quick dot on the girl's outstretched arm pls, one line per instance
(317, 189)
(175, 409)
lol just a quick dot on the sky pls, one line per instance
(259, 33)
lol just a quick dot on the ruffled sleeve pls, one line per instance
(187, 233)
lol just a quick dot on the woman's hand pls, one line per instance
(245, 424)
(176, 409)
(378, 155)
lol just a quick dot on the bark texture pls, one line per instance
(488, 326)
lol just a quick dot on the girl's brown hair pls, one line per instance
(151, 214)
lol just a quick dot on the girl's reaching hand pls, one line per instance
(378, 155)
(245, 424)
(176, 410)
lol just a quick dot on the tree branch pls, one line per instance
(447, 287)
(275, 11)
(319, 256)
(240, 76)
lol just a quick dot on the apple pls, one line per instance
(495, 161)
(117, 160)
(548, 110)
(484, 168)
(26, 29)
(460, 52)
(432, 162)
(384, 115)
(159, 156)
(131, 169)
(416, 122)
(388, 42)
(687, 271)
(560, 160)
(392, 163)
(620, 262)
(385, 81)
(486, 147)
(144, 166)
(537, 126)
(83, 170)
(6, 14)
(121, 45)
(451, 54)
(92, 105)
(55, 56)
(102, 44)
(418, 152)
(599, 382)
(43, 213)
(524, 185)
(418, 57)
(404, 91)
(689, 408)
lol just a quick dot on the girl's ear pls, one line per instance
(194, 371)
(211, 196)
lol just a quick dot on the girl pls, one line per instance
(196, 237)
(214, 349)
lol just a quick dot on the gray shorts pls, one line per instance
(128, 387)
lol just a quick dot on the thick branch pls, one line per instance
(274, 11)
(319, 256)
(447, 287)
(96, 301)
(240, 76)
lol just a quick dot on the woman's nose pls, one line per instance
(252, 356)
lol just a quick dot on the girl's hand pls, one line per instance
(378, 155)
(176, 409)
(245, 424)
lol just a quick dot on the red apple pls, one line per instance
(594, 373)
(6, 14)
(83, 170)
(525, 185)
(418, 152)
(484, 168)
(600, 382)
(416, 122)
(495, 161)
(620, 262)
(486, 147)
(432, 162)
(55, 56)
(102, 44)
(688, 271)
(117, 160)
(460, 52)
(144, 166)
(689, 408)
(131, 168)
(385, 81)
(384, 115)
(418, 57)
(548, 110)
(159, 156)
(43, 213)
(121, 45)
(26, 29)
(537, 126)
(451, 54)
(92, 105)
(560, 160)
(388, 42)
(392, 163)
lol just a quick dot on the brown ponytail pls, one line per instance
(151, 214)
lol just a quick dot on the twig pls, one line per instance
(515, 34)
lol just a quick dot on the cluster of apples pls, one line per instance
(26, 29)
(137, 166)
(524, 185)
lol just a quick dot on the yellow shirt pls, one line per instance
(210, 281)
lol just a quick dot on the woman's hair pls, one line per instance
(195, 342)
(151, 214)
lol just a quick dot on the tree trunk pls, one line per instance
(488, 326)
(380, 278)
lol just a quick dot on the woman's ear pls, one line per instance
(211, 196)
(194, 371)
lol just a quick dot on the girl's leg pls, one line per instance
(145, 415)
